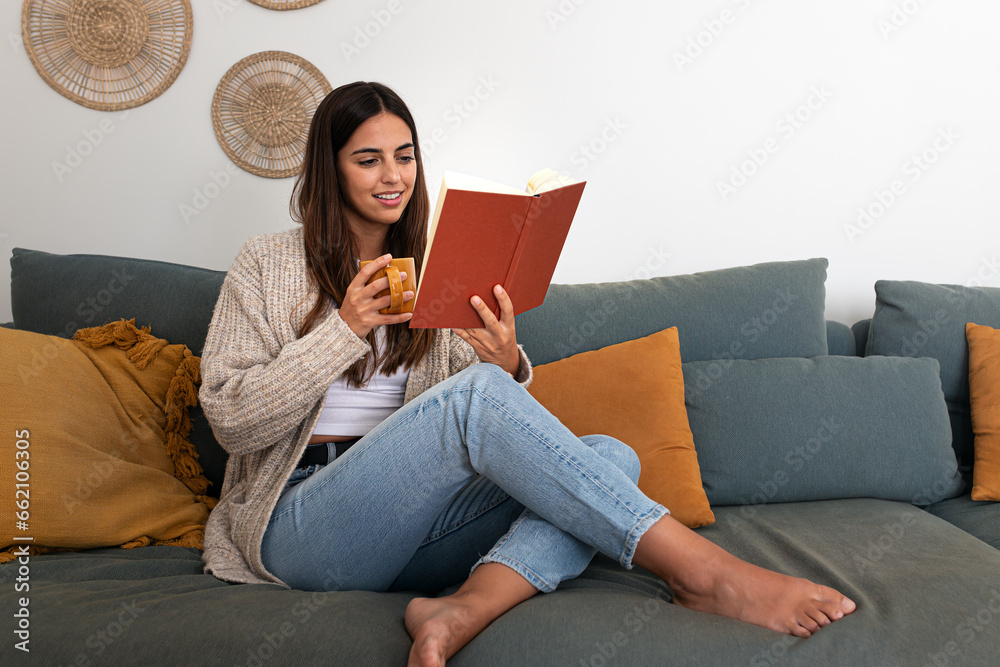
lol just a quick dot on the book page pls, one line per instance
(547, 179)
(457, 181)
(430, 233)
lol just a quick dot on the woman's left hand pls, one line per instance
(495, 342)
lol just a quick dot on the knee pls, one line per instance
(617, 452)
(484, 375)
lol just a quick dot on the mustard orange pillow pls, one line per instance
(634, 391)
(95, 450)
(984, 390)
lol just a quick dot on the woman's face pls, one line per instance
(377, 168)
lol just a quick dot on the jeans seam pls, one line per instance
(291, 508)
(467, 519)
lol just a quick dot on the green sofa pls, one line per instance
(826, 451)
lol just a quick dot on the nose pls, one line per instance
(390, 172)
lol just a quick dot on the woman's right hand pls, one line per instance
(360, 307)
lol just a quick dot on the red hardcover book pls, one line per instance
(484, 233)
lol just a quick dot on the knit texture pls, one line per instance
(263, 389)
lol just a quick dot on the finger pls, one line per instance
(369, 269)
(489, 319)
(506, 307)
(464, 335)
(397, 319)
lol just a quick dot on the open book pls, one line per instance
(485, 233)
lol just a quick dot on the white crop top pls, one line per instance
(357, 410)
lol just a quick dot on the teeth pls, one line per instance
(390, 196)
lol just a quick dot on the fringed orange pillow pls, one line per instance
(95, 441)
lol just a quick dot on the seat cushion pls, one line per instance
(133, 607)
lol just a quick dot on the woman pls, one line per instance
(366, 455)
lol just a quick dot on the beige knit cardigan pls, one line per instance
(263, 389)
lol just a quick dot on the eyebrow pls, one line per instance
(379, 150)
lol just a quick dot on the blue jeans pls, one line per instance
(472, 466)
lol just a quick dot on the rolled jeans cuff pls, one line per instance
(529, 575)
(656, 513)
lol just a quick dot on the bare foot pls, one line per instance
(706, 577)
(749, 593)
(439, 628)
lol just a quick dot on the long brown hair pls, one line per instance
(318, 204)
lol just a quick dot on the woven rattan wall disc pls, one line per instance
(285, 4)
(262, 109)
(108, 54)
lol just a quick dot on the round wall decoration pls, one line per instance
(285, 4)
(108, 54)
(262, 109)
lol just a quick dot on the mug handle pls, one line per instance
(395, 289)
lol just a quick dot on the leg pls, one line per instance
(441, 626)
(356, 523)
(484, 519)
(533, 554)
(705, 577)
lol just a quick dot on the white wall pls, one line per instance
(885, 79)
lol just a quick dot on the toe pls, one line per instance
(798, 630)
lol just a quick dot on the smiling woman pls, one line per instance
(427, 487)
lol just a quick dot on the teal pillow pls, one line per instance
(58, 294)
(774, 309)
(784, 430)
(914, 319)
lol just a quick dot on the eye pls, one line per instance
(367, 163)
(406, 158)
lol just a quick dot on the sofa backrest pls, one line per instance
(771, 309)
(58, 294)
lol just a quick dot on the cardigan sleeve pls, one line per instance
(256, 390)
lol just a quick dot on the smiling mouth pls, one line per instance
(389, 197)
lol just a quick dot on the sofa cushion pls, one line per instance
(984, 391)
(780, 430)
(860, 331)
(58, 294)
(978, 518)
(101, 423)
(840, 339)
(115, 606)
(775, 309)
(914, 319)
(633, 391)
